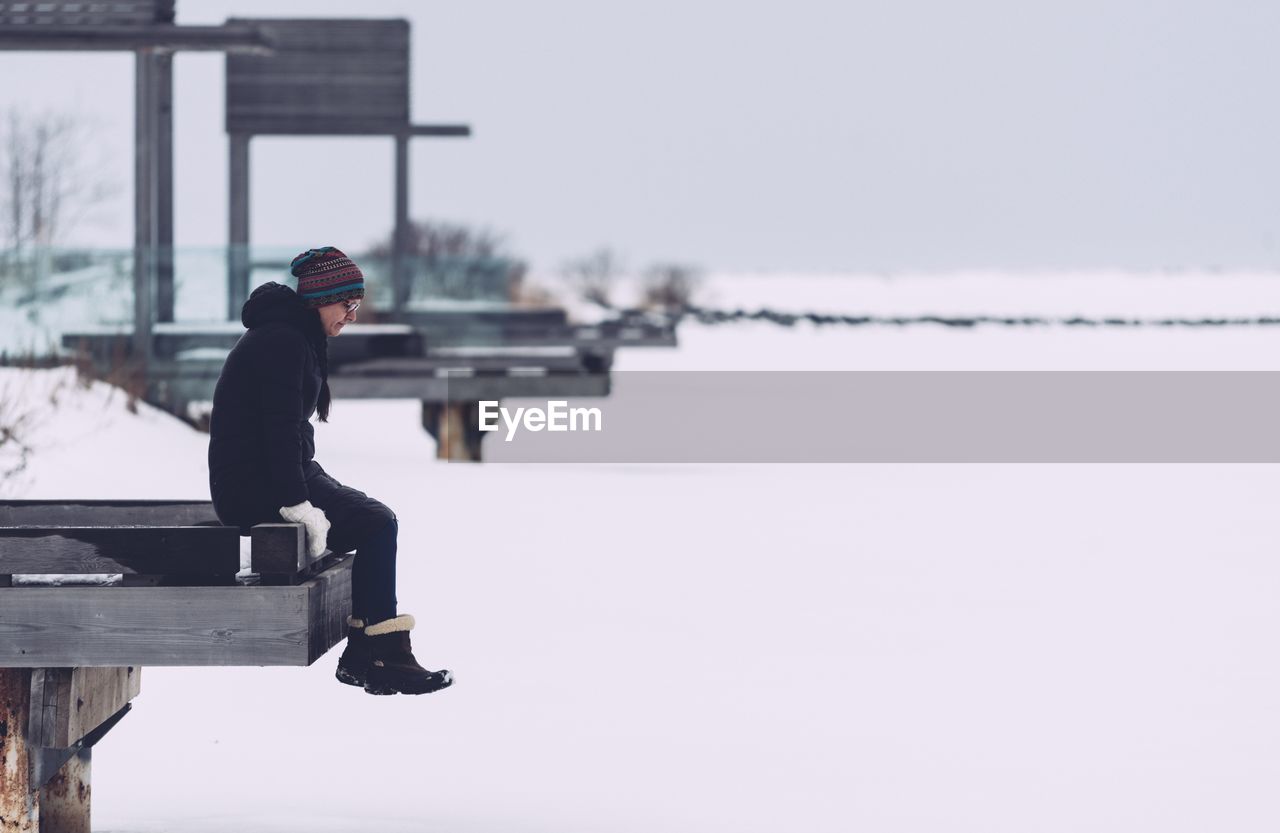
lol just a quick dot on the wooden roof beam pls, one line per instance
(228, 37)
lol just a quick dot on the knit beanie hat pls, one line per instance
(325, 276)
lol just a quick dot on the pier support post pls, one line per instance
(50, 718)
(454, 425)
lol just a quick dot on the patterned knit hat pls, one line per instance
(326, 276)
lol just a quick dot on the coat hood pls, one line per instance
(272, 303)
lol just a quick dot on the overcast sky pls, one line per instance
(805, 136)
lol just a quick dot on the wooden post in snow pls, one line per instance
(455, 429)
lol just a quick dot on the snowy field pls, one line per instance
(743, 648)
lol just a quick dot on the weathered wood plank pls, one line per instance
(69, 703)
(279, 549)
(324, 76)
(35, 718)
(359, 341)
(50, 688)
(400, 276)
(60, 13)
(162, 68)
(107, 513)
(571, 362)
(469, 388)
(122, 626)
(442, 130)
(330, 605)
(363, 34)
(197, 385)
(88, 37)
(93, 696)
(237, 221)
(349, 127)
(145, 121)
(174, 551)
(57, 701)
(498, 320)
(372, 340)
(405, 356)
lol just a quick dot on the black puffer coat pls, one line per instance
(261, 442)
(260, 434)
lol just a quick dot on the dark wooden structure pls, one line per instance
(52, 717)
(284, 77)
(169, 588)
(146, 28)
(322, 78)
(306, 77)
(91, 591)
(448, 360)
(535, 327)
(424, 333)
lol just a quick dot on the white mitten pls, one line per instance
(311, 517)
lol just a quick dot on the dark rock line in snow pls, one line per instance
(787, 319)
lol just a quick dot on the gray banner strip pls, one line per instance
(909, 417)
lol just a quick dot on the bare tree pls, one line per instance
(47, 182)
(452, 260)
(670, 286)
(593, 277)
(18, 415)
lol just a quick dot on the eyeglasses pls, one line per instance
(352, 306)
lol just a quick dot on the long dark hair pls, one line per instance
(320, 342)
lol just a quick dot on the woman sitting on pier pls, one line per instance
(262, 467)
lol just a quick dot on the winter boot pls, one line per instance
(392, 667)
(353, 665)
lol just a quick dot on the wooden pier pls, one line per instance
(91, 591)
(448, 360)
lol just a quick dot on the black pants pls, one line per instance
(360, 523)
(373, 577)
(357, 522)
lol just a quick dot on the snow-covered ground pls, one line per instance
(755, 647)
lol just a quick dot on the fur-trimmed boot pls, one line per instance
(353, 665)
(392, 667)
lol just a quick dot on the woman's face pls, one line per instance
(333, 317)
